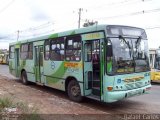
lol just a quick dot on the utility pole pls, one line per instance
(17, 35)
(79, 16)
(79, 20)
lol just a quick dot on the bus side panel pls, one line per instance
(28, 66)
(75, 70)
(12, 61)
(54, 74)
(12, 69)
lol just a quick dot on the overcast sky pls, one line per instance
(33, 17)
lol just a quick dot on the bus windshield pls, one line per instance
(157, 60)
(129, 55)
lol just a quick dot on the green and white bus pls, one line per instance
(103, 62)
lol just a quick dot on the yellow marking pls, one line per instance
(92, 36)
(73, 65)
(133, 79)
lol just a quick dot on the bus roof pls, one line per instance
(71, 32)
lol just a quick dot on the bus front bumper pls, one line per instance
(119, 95)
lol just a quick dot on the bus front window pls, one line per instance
(140, 55)
(157, 60)
(127, 56)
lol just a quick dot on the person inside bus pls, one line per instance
(95, 58)
(56, 53)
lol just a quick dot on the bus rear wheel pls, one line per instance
(74, 91)
(24, 78)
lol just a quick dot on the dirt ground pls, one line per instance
(45, 101)
(51, 104)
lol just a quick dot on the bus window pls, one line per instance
(47, 50)
(11, 52)
(57, 49)
(30, 51)
(73, 48)
(24, 51)
(109, 56)
(88, 49)
(41, 56)
(109, 49)
(96, 55)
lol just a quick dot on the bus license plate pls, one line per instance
(132, 93)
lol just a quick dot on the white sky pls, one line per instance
(63, 15)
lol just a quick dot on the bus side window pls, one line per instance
(109, 56)
(11, 52)
(57, 49)
(88, 52)
(30, 51)
(73, 48)
(47, 50)
(109, 51)
(24, 51)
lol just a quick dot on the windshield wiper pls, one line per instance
(127, 43)
(138, 42)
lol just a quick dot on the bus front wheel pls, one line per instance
(24, 78)
(74, 91)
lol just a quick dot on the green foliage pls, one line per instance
(5, 102)
(88, 23)
(24, 112)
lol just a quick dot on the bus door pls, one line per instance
(39, 64)
(92, 68)
(17, 61)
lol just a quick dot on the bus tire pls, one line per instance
(24, 78)
(74, 91)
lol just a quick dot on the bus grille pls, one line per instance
(139, 84)
(134, 85)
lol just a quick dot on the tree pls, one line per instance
(88, 23)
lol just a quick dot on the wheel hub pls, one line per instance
(75, 90)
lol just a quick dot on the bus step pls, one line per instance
(96, 91)
(94, 97)
(97, 80)
(38, 83)
(96, 83)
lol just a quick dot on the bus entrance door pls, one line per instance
(17, 62)
(92, 68)
(39, 64)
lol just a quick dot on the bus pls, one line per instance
(155, 64)
(103, 62)
(4, 58)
